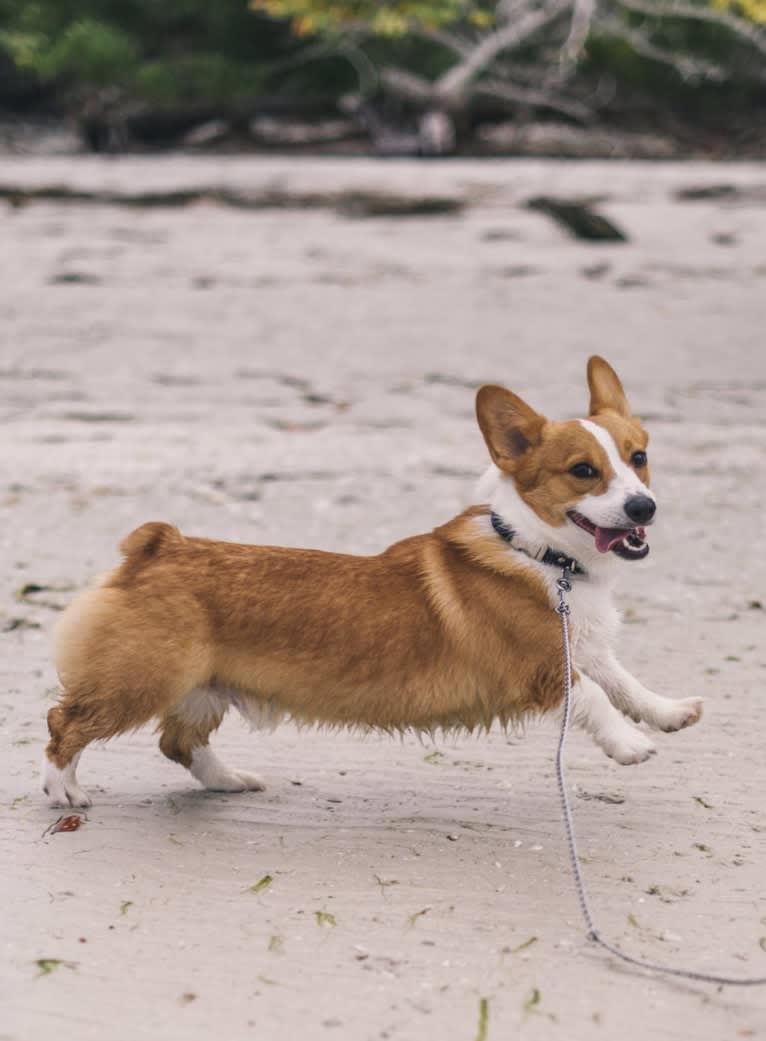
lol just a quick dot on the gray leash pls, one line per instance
(564, 586)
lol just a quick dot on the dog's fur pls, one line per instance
(454, 628)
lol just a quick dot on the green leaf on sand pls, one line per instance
(703, 802)
(530, 1005)
(47, 965)
(262, 883)
(483, 1020)
(523, 946)
(418, 914)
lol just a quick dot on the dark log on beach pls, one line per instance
(348, 204)
(578, 219)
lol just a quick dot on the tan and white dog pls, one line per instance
(455, 628)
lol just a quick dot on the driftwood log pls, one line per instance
(579, 219)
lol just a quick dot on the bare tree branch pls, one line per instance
(682, 9)
(407, 85)
(528, 73)
(583, 15)
(451, 41)
(507, 9)
(536, 98)
(579, 29)
(365, 70)
(688, 68)
(454, 82)
(486, 66)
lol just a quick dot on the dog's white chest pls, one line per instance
(593, 618)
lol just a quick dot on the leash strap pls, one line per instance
(564, 586)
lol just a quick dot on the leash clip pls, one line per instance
(564, 586)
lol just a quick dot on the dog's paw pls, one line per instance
(61, 787)
(629, 748)
(675, 715)
(235, 781)
(252, 782)
(216, 776)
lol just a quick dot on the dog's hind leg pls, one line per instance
(71, 728)
(60, 785)
(184, 737)
(78, 719)
(124, 658)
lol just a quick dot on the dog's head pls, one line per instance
(588, 478)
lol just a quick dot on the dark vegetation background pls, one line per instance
(401, 77)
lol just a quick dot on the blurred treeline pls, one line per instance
(680, 65)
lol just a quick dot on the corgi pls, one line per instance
(456, 628)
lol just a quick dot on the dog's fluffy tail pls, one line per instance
(98, 628)
(148, 540)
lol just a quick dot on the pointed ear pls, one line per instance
(510, 427)
(606, 391)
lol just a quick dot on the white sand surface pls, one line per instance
(296, 377)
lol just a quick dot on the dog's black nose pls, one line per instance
(640, 508)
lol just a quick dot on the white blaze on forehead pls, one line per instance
(623, 472)
(607, 509)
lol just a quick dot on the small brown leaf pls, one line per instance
(69, 823)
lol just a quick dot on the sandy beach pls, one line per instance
(295, 376)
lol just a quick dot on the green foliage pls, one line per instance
(753, 10)
(196, 77)
(392, 31)
(387, 18)
(171, 51)
(96, 52)
(396, 17)
(160, 50)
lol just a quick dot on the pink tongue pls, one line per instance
(608, 537)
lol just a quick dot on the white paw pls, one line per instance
(628, 747)
(675, 715)
(217, 777)
(61, 786)
(234, 781)
(252, 782)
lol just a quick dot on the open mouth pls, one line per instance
(628, 543)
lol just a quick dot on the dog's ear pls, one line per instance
(606, 391)
(510, 427)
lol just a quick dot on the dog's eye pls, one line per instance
(638, 459)
(583, 471)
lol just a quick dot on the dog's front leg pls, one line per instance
(594, 712)
(635, 700)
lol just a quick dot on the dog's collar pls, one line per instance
(552, 557)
